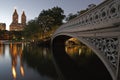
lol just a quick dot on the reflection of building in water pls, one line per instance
(21, 64)
(2, 49)
(15, 51)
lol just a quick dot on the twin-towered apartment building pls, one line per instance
(15, 26)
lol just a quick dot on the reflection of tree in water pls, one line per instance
(40, 59)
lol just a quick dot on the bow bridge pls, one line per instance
(99, 29)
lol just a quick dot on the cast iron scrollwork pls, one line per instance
(107, 46)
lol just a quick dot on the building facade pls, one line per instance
(2, 26)
(15, 26)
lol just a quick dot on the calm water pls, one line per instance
(25, 62)
(78, 62)
(19, 62)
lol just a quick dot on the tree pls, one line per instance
(45, 23)
(56, 13)
(42, 26)
(31, 29)
(48, 19)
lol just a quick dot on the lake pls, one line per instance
(19, 61)
(22, 61)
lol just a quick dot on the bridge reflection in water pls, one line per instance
(75, 61)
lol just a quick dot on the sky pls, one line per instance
(33, 8)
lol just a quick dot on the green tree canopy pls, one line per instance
(56, 13)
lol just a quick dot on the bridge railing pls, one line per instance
(106, 14)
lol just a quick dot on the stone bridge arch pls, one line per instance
(59, 41)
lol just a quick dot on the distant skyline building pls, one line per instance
(2, 26)
(15, 26)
